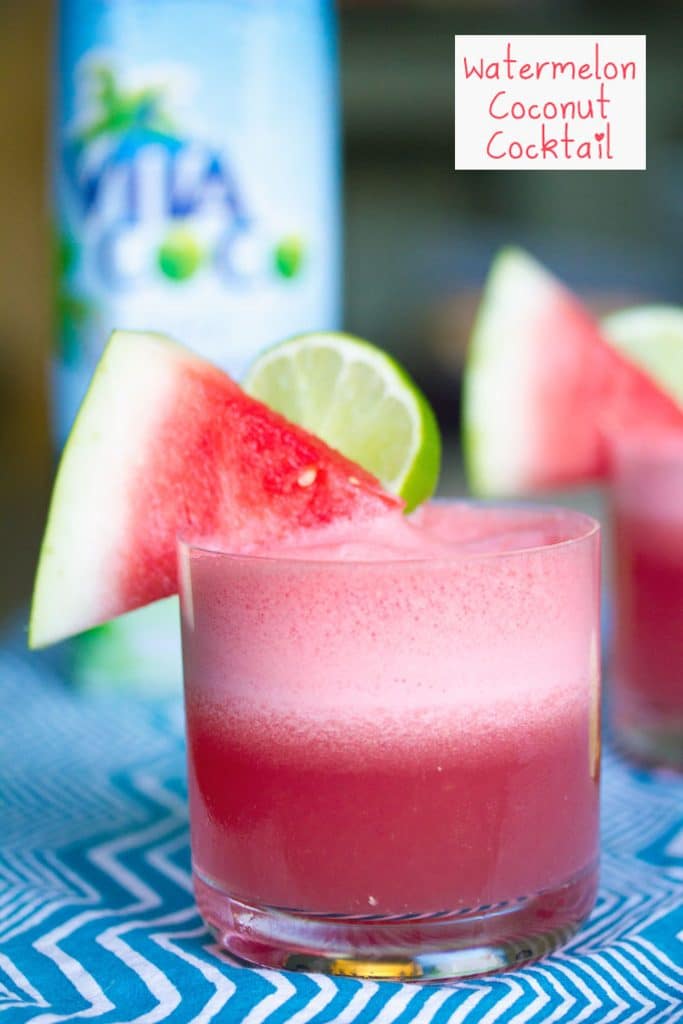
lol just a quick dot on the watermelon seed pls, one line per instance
(307, 477)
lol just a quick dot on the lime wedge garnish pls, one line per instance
(651, 337)
(360, 402)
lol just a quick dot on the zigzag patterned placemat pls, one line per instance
(97, 920)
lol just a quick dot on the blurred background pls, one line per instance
(418, 236)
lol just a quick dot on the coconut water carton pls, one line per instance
(196, 192)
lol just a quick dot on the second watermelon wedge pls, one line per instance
(543, 389)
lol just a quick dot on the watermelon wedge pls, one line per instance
(543, 390)
(167, 444)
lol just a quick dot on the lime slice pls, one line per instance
(358, 400)
(652, 337)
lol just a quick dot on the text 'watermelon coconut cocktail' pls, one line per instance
(392, 720)
(554, 398)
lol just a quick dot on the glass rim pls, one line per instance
(591, 529)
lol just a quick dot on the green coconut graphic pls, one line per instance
(289, 256)
(72, 310)
(180, 256)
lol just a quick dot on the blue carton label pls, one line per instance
(196, 177)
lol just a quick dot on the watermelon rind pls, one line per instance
(95, 462)
(498, 399)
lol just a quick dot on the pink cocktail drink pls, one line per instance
(394, 742)
(647, 670)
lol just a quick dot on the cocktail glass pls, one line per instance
(394, 763)
(646, 684)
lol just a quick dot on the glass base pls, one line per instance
(433, 947)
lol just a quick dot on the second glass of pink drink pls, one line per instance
(647, 685)
(394, 742)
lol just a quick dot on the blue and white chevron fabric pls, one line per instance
(97, 920)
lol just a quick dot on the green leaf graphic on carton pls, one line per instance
(120, 110)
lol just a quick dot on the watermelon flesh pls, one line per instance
(544, 391)
(166, 444)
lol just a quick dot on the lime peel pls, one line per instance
(652, 337)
